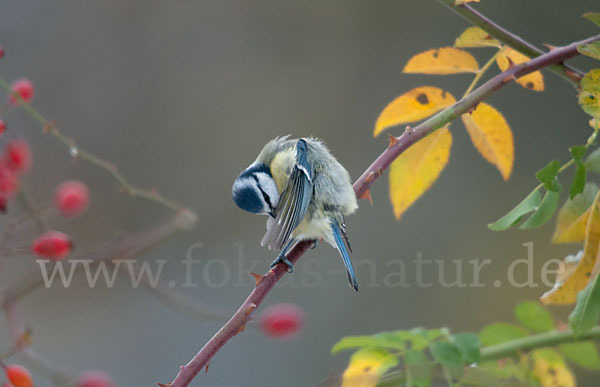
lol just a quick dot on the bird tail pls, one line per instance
(343, 248)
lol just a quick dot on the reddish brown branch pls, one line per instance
(237, 322)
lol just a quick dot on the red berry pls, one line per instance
(2, 126)
(18, 155)
(24, 88)
(52, 244)
(281, 320)
(1, 52)
(71, 197)
(94, 379)
(9, 182)
(18, 375)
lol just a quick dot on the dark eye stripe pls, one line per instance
(266, 197)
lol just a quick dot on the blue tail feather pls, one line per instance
(341, 246)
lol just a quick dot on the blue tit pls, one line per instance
(305, 192)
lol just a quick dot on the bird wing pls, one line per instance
(293, 202)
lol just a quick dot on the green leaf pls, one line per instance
(530, 203)
(578, 182)
(500, 332)
(380, 340)
(450, 358)
(420, 338)
(594, 17)
(592, 50)
(446, 353)
(547, 176)
(543, 213)
(587, 310)
(392, 340)
(592, 162)
(418, 369)
(583, 353)
(468, 346)
(577, 151)
(534, 316)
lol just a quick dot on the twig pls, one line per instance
(237, 322)
(570, 74)
(76, 152)
(127, 247)
(541, 340)
(17, 329)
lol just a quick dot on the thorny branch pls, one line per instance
(398, 145)
(500, 33)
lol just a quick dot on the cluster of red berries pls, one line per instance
(71, 198)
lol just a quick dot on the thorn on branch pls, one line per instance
(241, 329)
(392, 140)
(257, 277)
(511, 64)
(550, 47)
(472, 109)
(509, 78)
(367, 195)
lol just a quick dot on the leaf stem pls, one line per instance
(77, 152)
(541, 340)
(482, 71)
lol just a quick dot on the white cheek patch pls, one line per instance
(239, 184)
(267, 183)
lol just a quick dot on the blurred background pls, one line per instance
(182, 95)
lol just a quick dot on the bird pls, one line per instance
(306, 194)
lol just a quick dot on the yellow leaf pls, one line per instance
(589, 96)
(415, 170)
(475, 37)
(414, 105)
(565, 290)
(445, 60)
(573, 216)
(550, 369)
(491, 136)
(366, 367)
(570, 230)
(532, 81)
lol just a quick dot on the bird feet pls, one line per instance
(281, 258)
